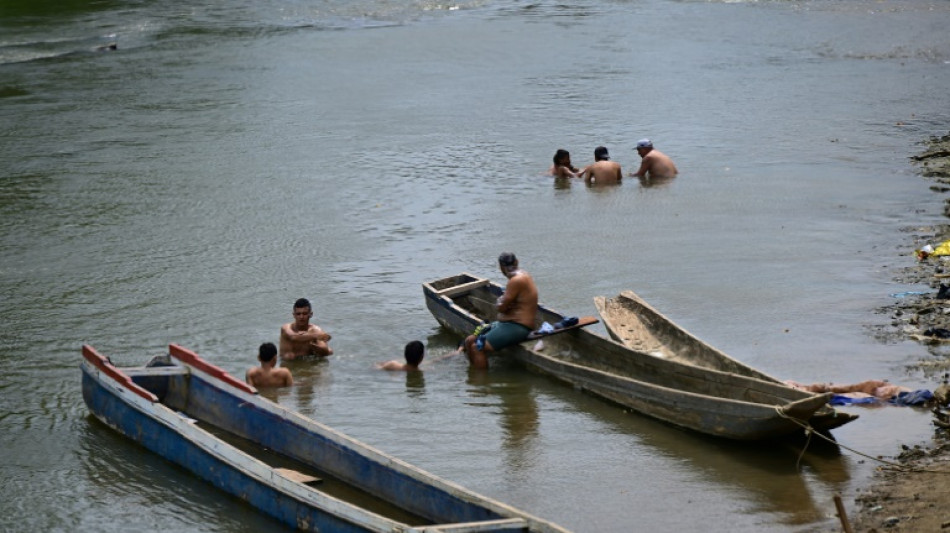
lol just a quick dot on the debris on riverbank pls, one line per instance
(912, 492)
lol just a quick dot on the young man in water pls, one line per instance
(655, 164)
(301, 338)
(603, 170)
(413, 353)
(517, 311)
(267, 375)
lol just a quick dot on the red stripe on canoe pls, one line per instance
(189, 357)
(103, 364)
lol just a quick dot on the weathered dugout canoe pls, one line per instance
(172, 409)
(716, 403)
(637, 325)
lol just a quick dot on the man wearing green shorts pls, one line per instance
(517, 311)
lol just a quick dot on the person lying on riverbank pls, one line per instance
(870, 391)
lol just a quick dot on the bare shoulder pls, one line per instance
(390, 365)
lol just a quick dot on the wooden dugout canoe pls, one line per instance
(637, 325)
(713, 402)
(198, 416)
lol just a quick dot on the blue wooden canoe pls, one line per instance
(722, 404)
(181, 408)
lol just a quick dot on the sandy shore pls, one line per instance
(915, 496)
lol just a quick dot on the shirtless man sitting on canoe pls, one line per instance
(517, 310)
(301, 338)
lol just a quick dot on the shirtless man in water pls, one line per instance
(300, 338)
(267, 375)
(603, 170)
(517, 311)
(655, 163)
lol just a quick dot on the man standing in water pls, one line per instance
(655, 163)
(603, 170)
(300, 338)
(517, 310)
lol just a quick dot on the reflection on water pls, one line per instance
(773, 476)
(310, 376)
(517, 407)
(416, 383)
(126, 478)
(164, 161)
(648, 181)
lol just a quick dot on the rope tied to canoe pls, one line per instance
(809, 431)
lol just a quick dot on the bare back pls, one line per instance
(603, 172)
(657, 165)
(519, 303)
(263, 377)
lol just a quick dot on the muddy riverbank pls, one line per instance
(911, 491)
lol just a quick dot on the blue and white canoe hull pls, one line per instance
(142, 404)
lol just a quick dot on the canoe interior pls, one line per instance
(250, 430)
(639, 326)
(636, 324)
(204, 419)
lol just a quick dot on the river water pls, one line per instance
(229, 158)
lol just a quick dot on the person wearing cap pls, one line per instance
(655, 164)
(517, 312)
(562, 167)
(603, 170)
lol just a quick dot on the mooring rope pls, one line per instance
(809, 431)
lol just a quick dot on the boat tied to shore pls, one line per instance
(710, 401)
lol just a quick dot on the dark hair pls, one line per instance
(301, 303)
(414, 352)
(507, 259)
(600, 153)
(561, 154)
(267, 352)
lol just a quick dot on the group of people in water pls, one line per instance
(654, 166)
(517, 308)
(298, 338)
